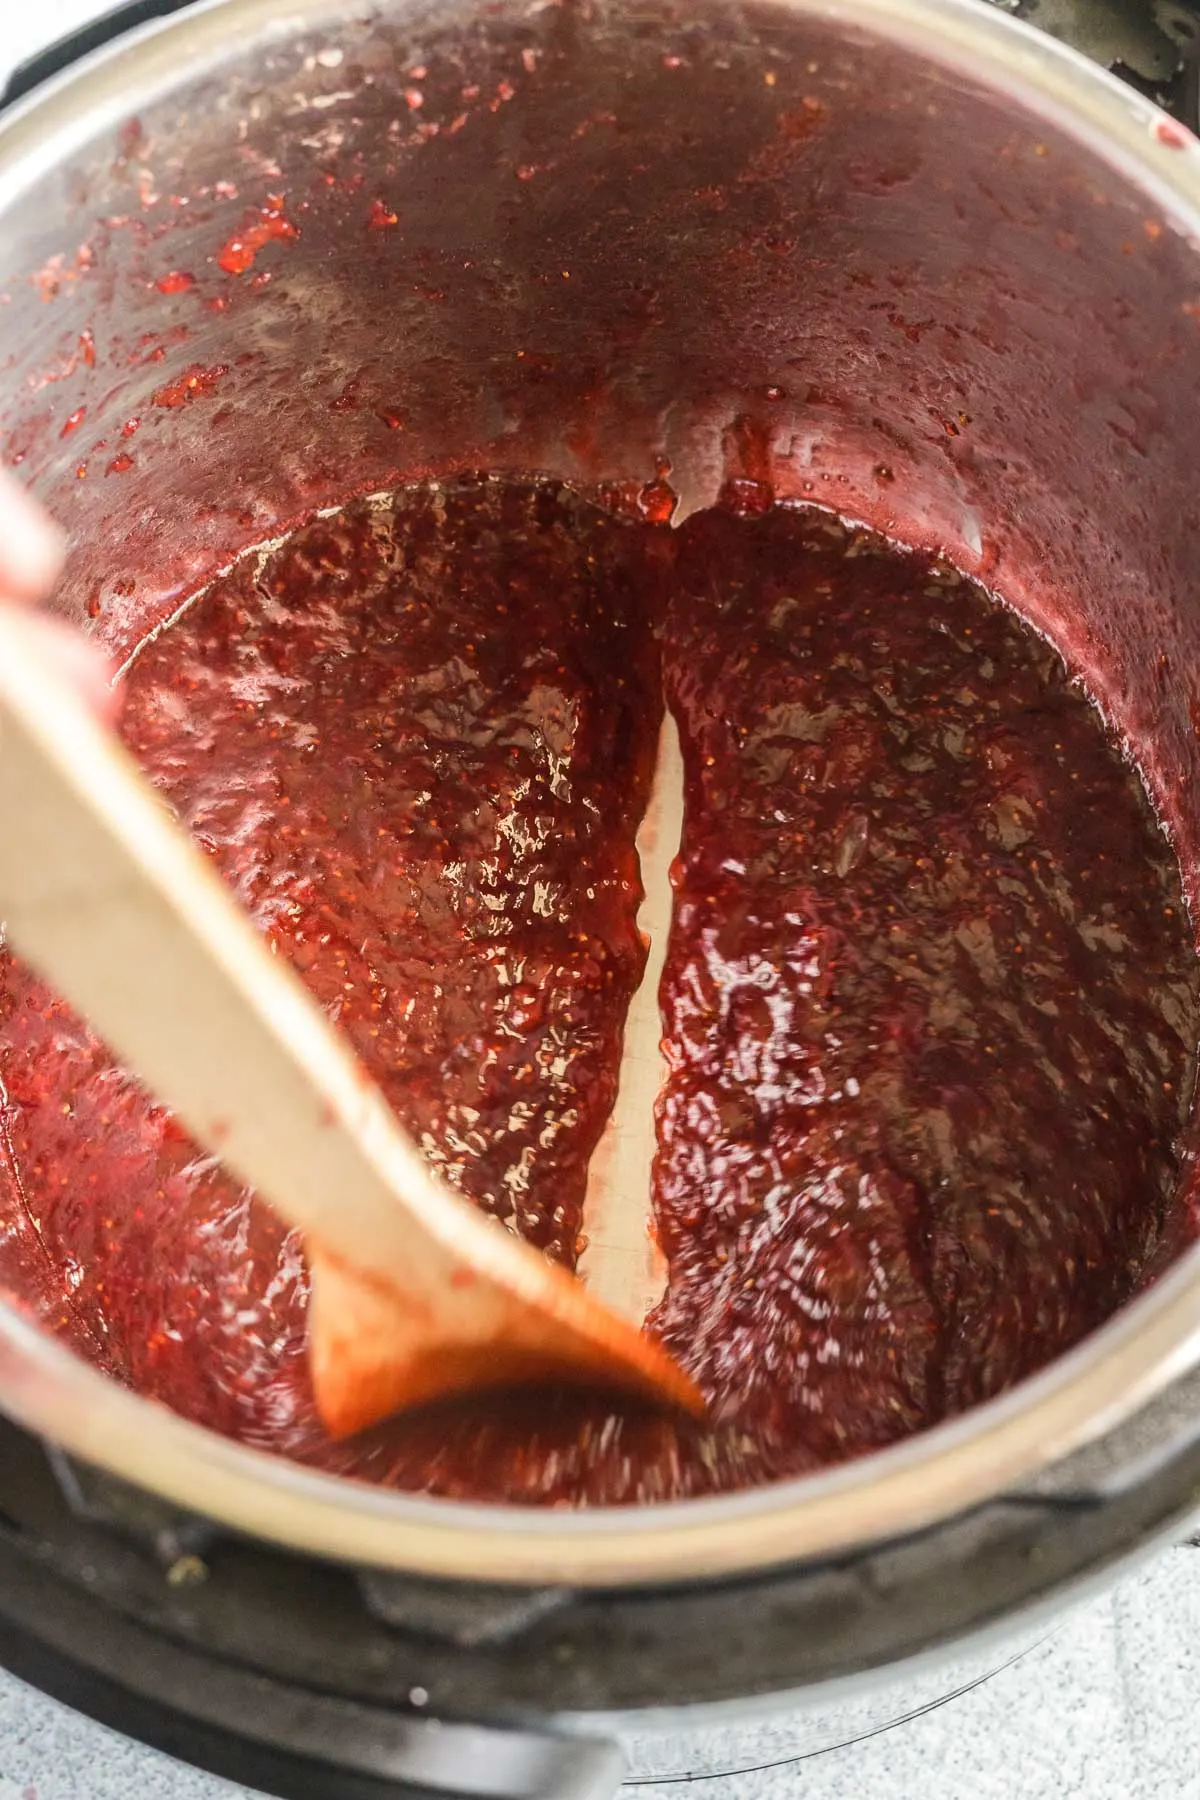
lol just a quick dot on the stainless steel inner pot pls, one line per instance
(903, 257)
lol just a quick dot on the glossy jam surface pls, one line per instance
(931, 998)
(930, 1003)
(417, 742)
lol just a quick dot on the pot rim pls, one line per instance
(998, 1447)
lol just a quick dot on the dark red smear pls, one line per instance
(930, 1001)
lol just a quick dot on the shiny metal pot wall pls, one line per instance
(900, 256)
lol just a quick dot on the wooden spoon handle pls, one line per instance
(105, 895)
(108, 899)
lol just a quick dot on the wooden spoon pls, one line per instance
(415, 1294)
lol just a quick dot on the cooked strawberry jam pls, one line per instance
(931, 996)
(930, 1006)
(417, 742)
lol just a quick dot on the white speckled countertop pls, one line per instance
(1105, 1706)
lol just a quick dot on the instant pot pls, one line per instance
(908, 258)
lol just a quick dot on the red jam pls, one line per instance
(930, 1004)
(931, 995)
(267, 226)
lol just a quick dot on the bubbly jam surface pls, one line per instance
(930, 1005)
